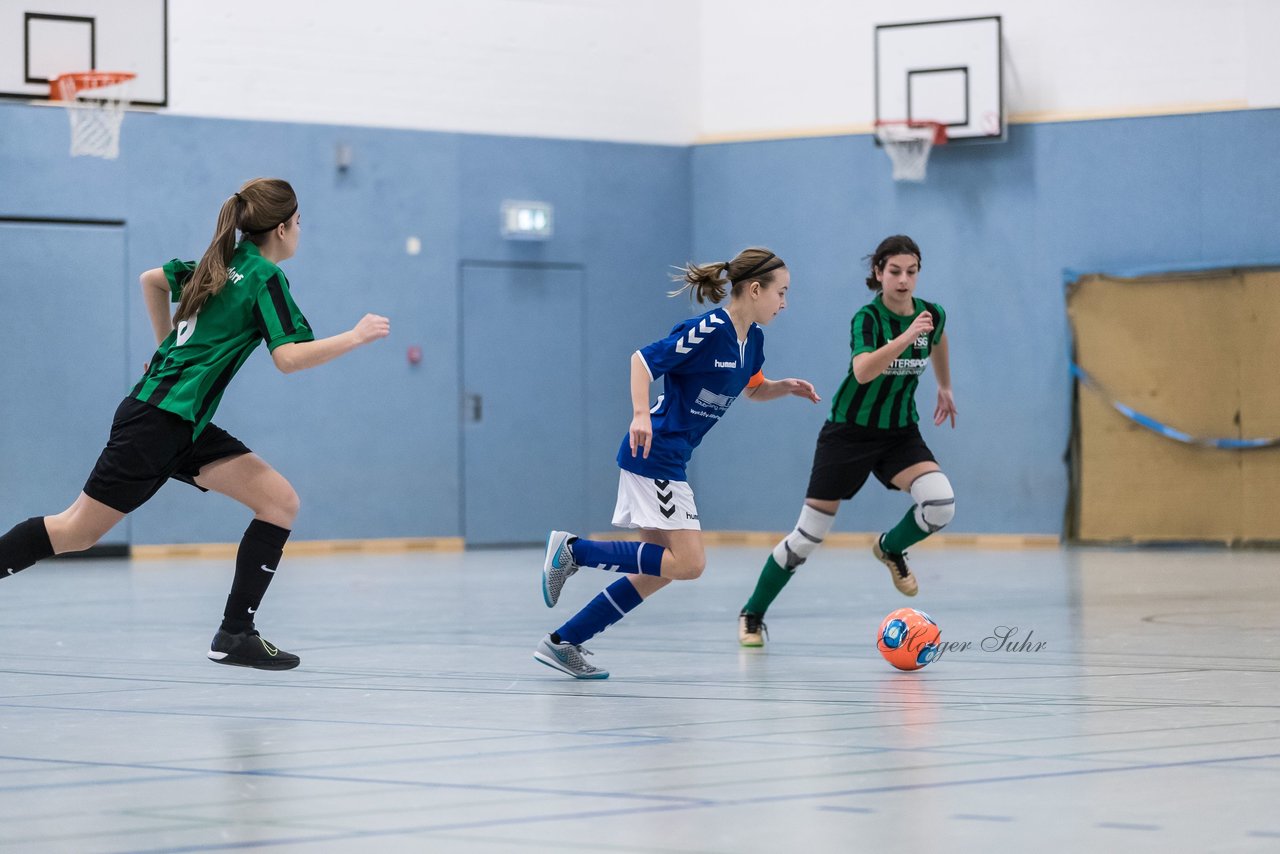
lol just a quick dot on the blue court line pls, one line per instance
(1010, 778)
(827, 808)
(1124, 825)
(474, 825)
(125, 781)
(486, 755)
(406, 831)
(328, 778)
(971, 817)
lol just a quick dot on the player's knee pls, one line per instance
(935, 501)
(811, 529)
(284, 504)
(688, 568)
(71, 534)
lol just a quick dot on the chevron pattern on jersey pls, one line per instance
(693, 338)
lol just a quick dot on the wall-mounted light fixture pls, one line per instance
(526, 220)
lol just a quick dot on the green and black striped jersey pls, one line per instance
(888, 401)
(194, 364)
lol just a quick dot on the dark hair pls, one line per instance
(255, 211)
(898, 244)
(703, 282)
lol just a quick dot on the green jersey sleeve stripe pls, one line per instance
(281, 304)
(865, 334)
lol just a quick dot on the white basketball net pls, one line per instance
(908, 147)
(96, 114)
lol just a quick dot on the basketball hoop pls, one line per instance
(95, 102)
(909, 144)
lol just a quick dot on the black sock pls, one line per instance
(555, 637)
(25, 544)
(256, 562)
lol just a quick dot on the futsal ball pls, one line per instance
(908, 639)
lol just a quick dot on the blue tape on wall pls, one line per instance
(1164, 429)
(1071, 277)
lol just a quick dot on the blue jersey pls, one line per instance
(704, 368)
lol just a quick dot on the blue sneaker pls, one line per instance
(557, 566)
(567, 658)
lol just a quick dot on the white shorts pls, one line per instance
(643, 502)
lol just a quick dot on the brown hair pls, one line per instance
(703, 282)
(898, 244)
(255, 211)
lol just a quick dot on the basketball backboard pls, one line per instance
(943, 71)
(40, 39)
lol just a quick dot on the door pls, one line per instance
(62, 361)
(524, 402)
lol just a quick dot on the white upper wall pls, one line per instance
(590, 69)
(807, 66)
(679, 71)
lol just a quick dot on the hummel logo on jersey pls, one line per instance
(704, 326)
(712, 400)
(720, 364)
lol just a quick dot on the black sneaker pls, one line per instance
(249, 649)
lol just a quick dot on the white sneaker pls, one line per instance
(751, 629)
(567, 658)
(557, 566)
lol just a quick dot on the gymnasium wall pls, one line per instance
(373, 445)
(997, 224)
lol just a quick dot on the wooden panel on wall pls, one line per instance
(1260, 404)
(1196, 352)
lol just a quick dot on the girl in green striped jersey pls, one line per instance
(872, 429)
(233, 300)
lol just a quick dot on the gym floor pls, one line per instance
(1108, 699)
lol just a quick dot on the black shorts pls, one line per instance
(847, 453)
(147, 447)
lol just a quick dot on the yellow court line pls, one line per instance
(409, 545)
(768, 539)
(299, 548)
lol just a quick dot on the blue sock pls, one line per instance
(600, 613)
(620, 556)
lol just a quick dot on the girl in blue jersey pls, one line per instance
(705, 363)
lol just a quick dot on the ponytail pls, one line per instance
(705, 283)
(255, 211)
(211, 272)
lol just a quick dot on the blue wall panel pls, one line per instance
(996, 224)
(372, 443)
